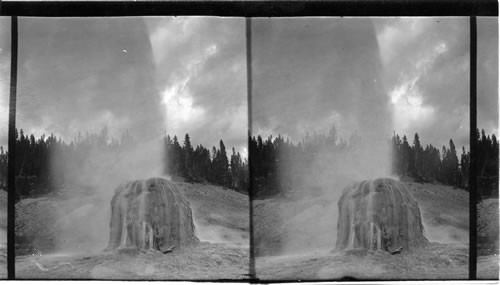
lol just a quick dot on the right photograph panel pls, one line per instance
(487, 148)
(359, 149)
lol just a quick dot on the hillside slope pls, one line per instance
(3, 234)
(487, 234)
(445, 215)
(221, 220)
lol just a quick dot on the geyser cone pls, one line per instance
(150, 214)
(379, 214)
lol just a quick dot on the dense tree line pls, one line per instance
(37, 172)
(487, 165)
(3, 168)
(280, 165)
(197, 164)
(272, 158)
(429, 164)
(275, 158)
(48, 163)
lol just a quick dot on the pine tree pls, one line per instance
(418, 159)
(176, 157)
(235, 168)
(464, 168)
(396, 155)
(405, 157)
(188, 158)
(3, 168)
(169, 152)
(223, 174)
(453, 164)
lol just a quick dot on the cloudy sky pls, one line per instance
(187, 74)
(4, 79)
(203, 77)
(487, 74)
(365, 75)
(145, 76)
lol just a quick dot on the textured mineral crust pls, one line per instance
(379, 214)
(151, 214)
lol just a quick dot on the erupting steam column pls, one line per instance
(379, 214)
(150, 214)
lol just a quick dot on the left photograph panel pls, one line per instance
(5, 42)
(131, 148)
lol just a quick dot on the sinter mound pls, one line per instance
(379, 214)
(150, 214)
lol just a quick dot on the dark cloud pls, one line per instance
(434, 53)
(205, 66)
(309, 74)
(81, 74)
(404, 74)
(487, 74)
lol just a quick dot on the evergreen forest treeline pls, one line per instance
(271, 158)
(198, 164)
(277, 157)
(37, 173)
(487, 164)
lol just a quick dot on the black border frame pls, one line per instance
(258, 8)
(473, 146)
(11, 176)
(356, 8)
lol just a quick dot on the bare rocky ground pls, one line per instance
(204, 261)
(436, 261)
(487, 234)
(445, 214)
(221, 221)
(3, 234)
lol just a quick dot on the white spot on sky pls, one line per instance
(441, 48)
(211, 50)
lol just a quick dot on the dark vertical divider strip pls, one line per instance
(248, 30)
(12, 154)
(473, 157)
